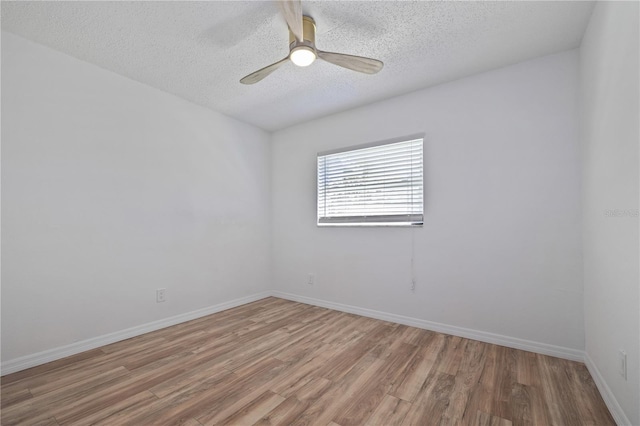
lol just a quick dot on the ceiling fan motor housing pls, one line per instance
(308, 32)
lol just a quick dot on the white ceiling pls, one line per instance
(200, 50)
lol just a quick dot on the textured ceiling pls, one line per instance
(200, 50)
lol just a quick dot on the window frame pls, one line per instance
(350, 222)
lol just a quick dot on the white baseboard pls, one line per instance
(612, 403)
(43, 357)
(483, 336)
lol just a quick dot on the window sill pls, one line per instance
(370, 225)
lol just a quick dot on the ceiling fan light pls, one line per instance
(302, 56)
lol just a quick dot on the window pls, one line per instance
(379, 184)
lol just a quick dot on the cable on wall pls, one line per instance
(413, 252)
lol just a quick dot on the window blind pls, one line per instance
(380, 184)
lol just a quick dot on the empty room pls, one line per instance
(327, 213)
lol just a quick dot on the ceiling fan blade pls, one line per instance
(255, 77)
(356, 63)
(292, 12)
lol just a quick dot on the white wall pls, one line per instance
(500, 250)
(610, 123)
(112, 189)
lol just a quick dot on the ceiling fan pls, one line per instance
(302, 47)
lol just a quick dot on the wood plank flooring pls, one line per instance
(276, 362)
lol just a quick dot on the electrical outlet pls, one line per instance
(160, 295)
(311, 279)
(622, 364)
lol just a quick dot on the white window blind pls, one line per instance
(380, 184)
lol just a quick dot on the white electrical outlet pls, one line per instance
(310, 279)
(160, 295)
(622, 367)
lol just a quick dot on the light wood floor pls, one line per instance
(279, 362)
